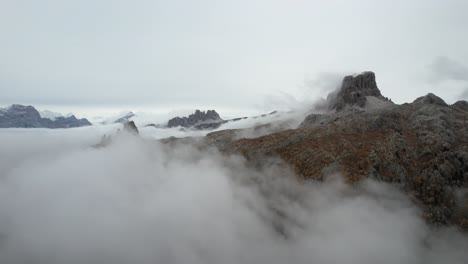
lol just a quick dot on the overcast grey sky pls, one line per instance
(230, 53)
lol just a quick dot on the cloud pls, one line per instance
(451, 73)
(464, 95)
(138, 201)
(445, 68)
(311, 95)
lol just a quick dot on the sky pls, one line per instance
(226, 54)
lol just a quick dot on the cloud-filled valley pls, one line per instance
(140, 201)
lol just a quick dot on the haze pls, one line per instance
(232, 54)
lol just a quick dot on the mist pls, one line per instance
(139, 201)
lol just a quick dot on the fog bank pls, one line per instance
(137, 201)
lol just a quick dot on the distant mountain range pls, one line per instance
(28, 117)
(202, 120)
(22, 116)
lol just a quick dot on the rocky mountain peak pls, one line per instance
(27, 117)
(353, 92)
(125, 118)
(23, 109)
(197, 118)
(430, 98)
(131, 128)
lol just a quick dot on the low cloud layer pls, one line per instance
(137, 201)
(449, 69)
(445, 69)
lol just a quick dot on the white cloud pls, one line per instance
(137, 201)
(450, 74)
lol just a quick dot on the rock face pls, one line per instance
(131, 128)
(28, 117)
(354, 91)
(128, 128)
(421, 147)
(196, 119)
(124, 119)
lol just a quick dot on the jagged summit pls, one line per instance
(130, 127)
(197, 118)
(124, 119)
(355, 92)
(18, 115)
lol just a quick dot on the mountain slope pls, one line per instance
(421, 146)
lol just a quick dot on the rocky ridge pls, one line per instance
(28, 117)
(124, 119)
(195, 119)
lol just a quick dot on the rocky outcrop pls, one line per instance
(131, 128)
(124, 119)
(28, 117)
(354, 92)
(421, 147)
(195, 119)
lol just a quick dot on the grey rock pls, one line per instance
(197, 118)
(353, 92)
(131, 128)
(124, 119)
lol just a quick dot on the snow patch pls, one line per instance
(50, 115)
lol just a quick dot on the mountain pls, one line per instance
(196, 119)
(422, 146)
(357, 91)
(203, 121)
(124, 119)
(28, 117)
